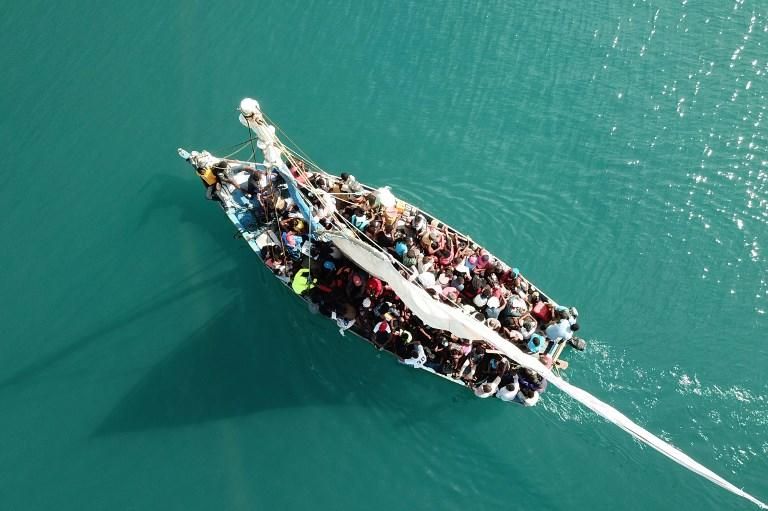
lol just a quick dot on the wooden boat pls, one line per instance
(262, 231)
(294, 184)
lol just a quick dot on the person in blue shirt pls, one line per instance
(401, 247)
(359, 219)
(292, 243)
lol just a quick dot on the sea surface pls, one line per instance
(617, 152)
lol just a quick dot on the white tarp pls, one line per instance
(444, 317)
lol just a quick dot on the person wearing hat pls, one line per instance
(292, 223)
(374, 287)
(493, 323)
(444, 277)
(401, 342)
(325, 272)
(355, 287)
(495, 304)
(460, 271)
(382, 334)
(514, 281)
(401, 247)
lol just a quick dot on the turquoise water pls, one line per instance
(616, 154)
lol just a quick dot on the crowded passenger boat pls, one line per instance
(404, 281)
(288, 210)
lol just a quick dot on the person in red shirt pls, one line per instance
(374, 287)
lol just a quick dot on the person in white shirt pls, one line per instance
(509, 392)
(560, 331)
(343, 323)
(561, 328)
(418, 357)
(528, 328)
(481, 299)
(488, 389)
(528, 397)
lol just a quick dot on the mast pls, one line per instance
(252, 118)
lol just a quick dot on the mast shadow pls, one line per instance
(162, 200)
(222, 371)
(152, 306)
(187, 200)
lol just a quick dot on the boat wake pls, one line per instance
(707, 404)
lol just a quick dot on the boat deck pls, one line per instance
(261, 234)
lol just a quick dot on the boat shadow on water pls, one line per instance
(226, 370)
(222, 371)
(228, 367)
(185, 205)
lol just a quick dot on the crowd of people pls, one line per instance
(449, 266)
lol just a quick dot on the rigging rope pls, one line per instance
(240, 147)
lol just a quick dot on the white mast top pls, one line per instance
(251, 117)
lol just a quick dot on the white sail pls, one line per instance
(444, 317)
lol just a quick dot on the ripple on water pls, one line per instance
(616, 378)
